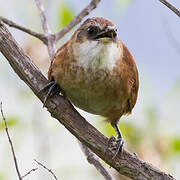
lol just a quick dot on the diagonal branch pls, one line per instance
(93, 159)
(76, 20)
(171, 7)
(40, 36)
(50, 37)
(126, 164)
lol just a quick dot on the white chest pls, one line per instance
(96, 55)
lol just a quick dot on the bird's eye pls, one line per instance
(92, 30)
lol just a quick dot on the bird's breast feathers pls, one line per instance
(96, 55)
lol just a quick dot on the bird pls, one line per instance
(96, 72)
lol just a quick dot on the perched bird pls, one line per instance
(97, 72)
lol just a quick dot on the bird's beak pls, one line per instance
(108, 34)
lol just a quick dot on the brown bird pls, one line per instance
(97, 72)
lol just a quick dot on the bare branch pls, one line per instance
(10, 142)
(77, 19)
(29, 172)
(40, 36)
(43, 17)
(48, 38)
(93, 159)
(171, 7)
(49, 170)
(59, 107)
(51, 37)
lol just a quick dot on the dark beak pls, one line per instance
(108, 32)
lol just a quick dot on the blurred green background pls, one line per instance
(150, 31)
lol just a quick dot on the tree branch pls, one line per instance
(40, 36)
(93, 159)
(171, 7)
(59, 107)
(76, 20)
(50, 37)
(43, 17)
(11, 144)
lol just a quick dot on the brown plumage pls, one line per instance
(97, 71)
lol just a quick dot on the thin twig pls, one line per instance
(40, 36)
(10, 142)
(46, 28)
(92, 5)
(29, 172)
(171, 7)
(49, 170)
(93, 159)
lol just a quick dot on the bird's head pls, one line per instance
(96, 29)
(95, 44)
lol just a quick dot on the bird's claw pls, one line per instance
(116, 144)
(52, 88)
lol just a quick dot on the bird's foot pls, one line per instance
(53, 89)
(116, 144)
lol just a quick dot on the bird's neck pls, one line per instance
(96, 55)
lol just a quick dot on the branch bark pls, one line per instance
(93, 159)
(40, 36)
(171, 7)
(46, 28)
(126, 163)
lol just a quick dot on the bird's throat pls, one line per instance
(96, 55)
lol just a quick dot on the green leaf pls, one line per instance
(65, 15)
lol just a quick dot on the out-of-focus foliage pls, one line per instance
(65, 14)
(175, 145)
(11, 121)
(176, 87)
(2, 177)
(121, 5)
(131, 133)
(123, 2)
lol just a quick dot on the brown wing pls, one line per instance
(57, 63)
(132, 77)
